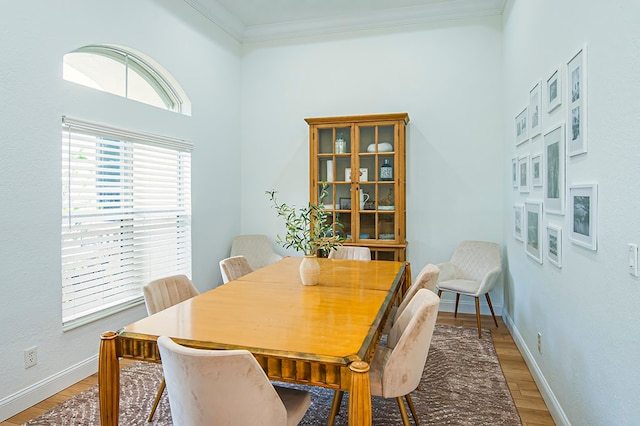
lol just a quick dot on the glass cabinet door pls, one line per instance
(376, 192)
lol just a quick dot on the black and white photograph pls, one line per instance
(577, 103)
(554, 245)
(536, 169)
(518, 221)
(514, 172)
(533, 229)
(554, 90)
(522, 132)
(583, 209)
(535, 108)
(523, 173)
(554, 170)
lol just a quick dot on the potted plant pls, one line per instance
(307, 231)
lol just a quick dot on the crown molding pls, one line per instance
(410, 15)
(220, 16)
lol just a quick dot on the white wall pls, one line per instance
(447, 76)
(587, 311)
(34, 36)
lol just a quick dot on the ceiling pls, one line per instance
(251, 21)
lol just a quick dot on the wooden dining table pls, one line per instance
(323, 335)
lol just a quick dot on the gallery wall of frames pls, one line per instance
(556, 120)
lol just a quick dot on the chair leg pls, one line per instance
(163, 384)
(403, 411)
(491, 307)
(412, 408)
(478, 318)
(335, 407)
(455, 314)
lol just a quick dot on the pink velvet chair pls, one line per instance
(350, 252)
(225, 387)
(234, 267)
(159, 295)
(397, 367)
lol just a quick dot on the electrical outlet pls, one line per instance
(30, 357)
(633, 259)
(540, 343)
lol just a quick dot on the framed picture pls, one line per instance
(577, 103)
(554, 170)
(523, 173)
(535, 110)
(536, 169)
(522, 133)
(514, 172)
(554, 90)
(345, 203)
(533, 229)
(583, 211)
(554, 245)
(363, 177)
(518, 221)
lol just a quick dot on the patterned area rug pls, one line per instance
(462, 384)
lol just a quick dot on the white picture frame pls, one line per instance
(554, 170)
(523, 173)
(536, 170)
(583, 215)
(514, 172)
(533, 230)
(554, 90)
(522, 133)
(577, 103)
(535, 110)
(518, 221)
(553, 245)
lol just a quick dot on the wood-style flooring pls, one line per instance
(531, 407)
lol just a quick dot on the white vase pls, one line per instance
(309, 270)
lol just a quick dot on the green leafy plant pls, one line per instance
(308, 230)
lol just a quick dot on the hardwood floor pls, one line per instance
(531, 407)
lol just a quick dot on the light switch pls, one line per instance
(633, 259)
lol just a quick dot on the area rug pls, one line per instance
(462, 384)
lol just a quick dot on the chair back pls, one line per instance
(218, 387)
(473, 260)
(427, 278)
(234, 267)
(350, 252)
(165, 292)
(256, 248)
(409, 339)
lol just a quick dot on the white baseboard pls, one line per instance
(27, 397)
(555, 409)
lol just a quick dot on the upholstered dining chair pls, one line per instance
(256, 248)
(473, 270)
(161, 294)
(225, 387)
(350, 252)
(397, 367)
(427, 278)
(234, 267)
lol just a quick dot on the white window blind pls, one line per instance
(126, 216)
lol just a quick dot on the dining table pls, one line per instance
(321, 335)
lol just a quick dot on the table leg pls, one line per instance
(360, 395)
(108, 380)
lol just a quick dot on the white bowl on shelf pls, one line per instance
(382, 147)
(386, 207)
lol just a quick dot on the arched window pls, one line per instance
(125, 73)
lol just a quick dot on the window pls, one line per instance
(126, 216)
(125, 73)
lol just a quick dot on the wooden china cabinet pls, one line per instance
(362, 159)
